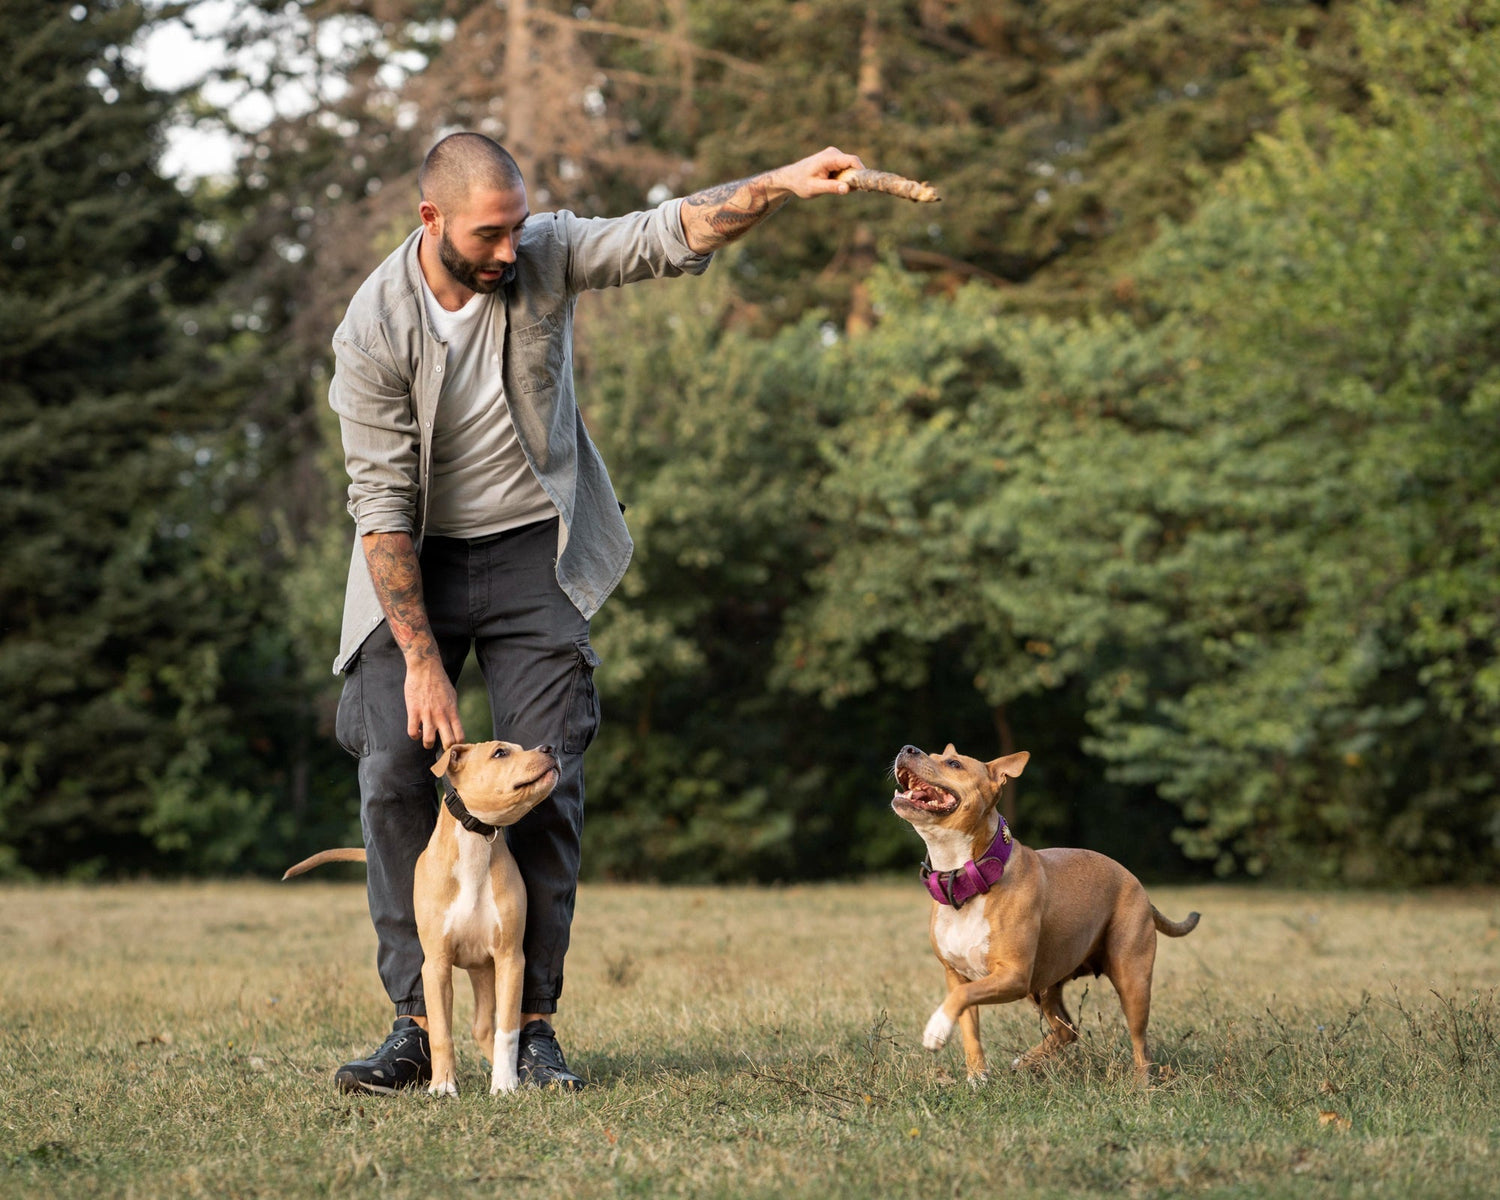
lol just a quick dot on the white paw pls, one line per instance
(939, 1029)
(504, 1081)
(446, 1088)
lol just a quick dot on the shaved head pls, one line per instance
(462, 163)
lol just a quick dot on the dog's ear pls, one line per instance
(450, 760)
(1007, 768)
(949, 750)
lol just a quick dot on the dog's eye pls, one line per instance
(500, 752)
(955, 764)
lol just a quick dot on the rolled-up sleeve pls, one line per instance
(611, 251)
(381, 443)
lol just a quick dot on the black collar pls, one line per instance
(463, 816)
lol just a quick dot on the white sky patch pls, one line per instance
(183, 53)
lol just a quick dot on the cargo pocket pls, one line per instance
(583, 702)
(349, 723)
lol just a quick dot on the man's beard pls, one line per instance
(467, 273)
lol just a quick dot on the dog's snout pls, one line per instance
(548, 750)
(910, 750)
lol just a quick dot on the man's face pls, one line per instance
(477, 243)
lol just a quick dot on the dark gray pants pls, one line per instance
(500, 595)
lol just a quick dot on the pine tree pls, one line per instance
(108, 625)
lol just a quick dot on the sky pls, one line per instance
(182, 52)
(170, 58)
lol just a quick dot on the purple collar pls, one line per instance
(956, 888)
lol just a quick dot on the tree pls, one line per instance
(1252, 531)
(1340, 551)
(138, 692)
(107, 664)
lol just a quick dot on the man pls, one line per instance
(485, 518)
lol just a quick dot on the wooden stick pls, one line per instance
(867, 180)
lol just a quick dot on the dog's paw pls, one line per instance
(444, 1087)
(503, 1084)
(939, 1029)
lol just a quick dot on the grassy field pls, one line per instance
(177, 1040)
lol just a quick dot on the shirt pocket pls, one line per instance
(539, 351)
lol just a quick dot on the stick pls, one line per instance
(867, 180)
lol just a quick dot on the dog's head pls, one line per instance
(950, 789)
(499, 782)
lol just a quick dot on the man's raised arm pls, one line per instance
(716, 216)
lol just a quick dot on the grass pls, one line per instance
(177, 1040)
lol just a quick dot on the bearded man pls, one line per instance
(485, 519)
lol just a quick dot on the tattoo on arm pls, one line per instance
(716, 216)
(397, 576)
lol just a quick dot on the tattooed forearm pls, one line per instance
(716, 216)
(397, 576)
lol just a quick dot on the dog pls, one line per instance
(1008, 921)
(470, 902)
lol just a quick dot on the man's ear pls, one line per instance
(1007, 768)
(450, 760)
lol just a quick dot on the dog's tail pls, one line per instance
(344, 854)
(1170, 928)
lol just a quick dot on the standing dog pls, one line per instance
(470, 902)
(1009, 922)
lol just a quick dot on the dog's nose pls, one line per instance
(910, 750)
(546, 750)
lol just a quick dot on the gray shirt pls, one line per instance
(481, 482)
(388, 377)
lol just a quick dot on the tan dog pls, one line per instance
(470, 902)
(1025, 921)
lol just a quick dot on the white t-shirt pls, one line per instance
(481, 482)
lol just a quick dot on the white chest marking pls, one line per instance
(472, 919)
(963, 938)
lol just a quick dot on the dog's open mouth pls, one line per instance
(919, 794)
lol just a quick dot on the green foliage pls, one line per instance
(701, 770)
(1163, 448)
(102, 606)
(141, 671)
(1343, 551)
(1258, 529)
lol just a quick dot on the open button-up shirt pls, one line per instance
(388, 377)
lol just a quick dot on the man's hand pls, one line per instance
(431, 702)
(815, 174)
(716, 216)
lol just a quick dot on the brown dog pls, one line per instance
(1009, 922)
(470, 902)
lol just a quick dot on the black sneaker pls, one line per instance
(402, 1061)
(541, 1062)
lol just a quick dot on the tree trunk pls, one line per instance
(869, 87)
(1007, 747)
(520, 94)
(687, 63)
